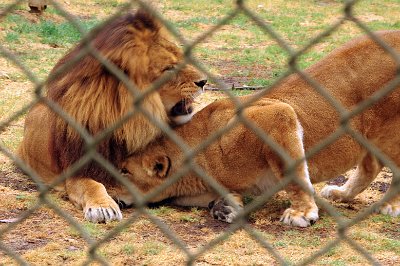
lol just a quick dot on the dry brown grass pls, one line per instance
(237, 55)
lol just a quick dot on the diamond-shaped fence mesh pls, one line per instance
(272, 254)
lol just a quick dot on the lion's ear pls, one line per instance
(144, 21)
(157, 166)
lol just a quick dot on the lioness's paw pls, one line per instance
(106, 211)
(334, 193)
(221, 210)
(390, 209)
(299, 218)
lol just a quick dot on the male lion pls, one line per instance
(96, 99)
(243, 163)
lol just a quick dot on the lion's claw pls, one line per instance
(103, 213)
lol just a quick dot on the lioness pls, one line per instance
(88, 92)
(243, 163)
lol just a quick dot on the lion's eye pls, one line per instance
(169, 68)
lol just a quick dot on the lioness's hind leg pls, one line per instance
(390, 146)
(280, 122)
(366, 171)
(391, 207)
(93, 198)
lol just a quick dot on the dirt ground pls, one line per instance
(46, 238)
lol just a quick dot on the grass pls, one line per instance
(128, 249)
(162, 210)
(239, 53)
(189, 218)
(45, 31)
(152, 248)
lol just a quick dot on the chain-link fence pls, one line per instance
(191, 256)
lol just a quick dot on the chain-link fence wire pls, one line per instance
(190, 153)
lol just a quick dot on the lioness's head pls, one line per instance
(146, 172)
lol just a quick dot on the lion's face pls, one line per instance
(178, 93)
(139, 46)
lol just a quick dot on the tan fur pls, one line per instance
(96, 99)
(243, 163)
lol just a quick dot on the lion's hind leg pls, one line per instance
(368, 169)
(280, 122)
(92, 197)
(365, 173)
(392, 206)
(390, 146)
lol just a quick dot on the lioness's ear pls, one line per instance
(157, 166)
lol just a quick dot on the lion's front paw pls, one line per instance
(221, 210)
(299, 218)
(390, 209)
(102, 211)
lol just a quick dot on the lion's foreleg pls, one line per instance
(93, 198)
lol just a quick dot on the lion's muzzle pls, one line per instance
(181, 113)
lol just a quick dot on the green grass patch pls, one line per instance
(242, 92)
(324, 222)
(200, 6)
(297, 238)
(12, 37)
(377, 242)
(259, 82)
(46, 31)
(280, 243)
(107, 3)
(377, 25)
(192, 23)
(188, 218)
(272, 56)
(128, 249)
(381, 218)
(162, 210)
(93, 229)
(153, 248)
(332, 251)
(392, 245)
(22, 197)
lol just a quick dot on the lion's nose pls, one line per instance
(201, 83)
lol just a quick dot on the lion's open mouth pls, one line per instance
(181, 113)
(181, 108)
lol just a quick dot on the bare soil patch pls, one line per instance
(17, 181)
